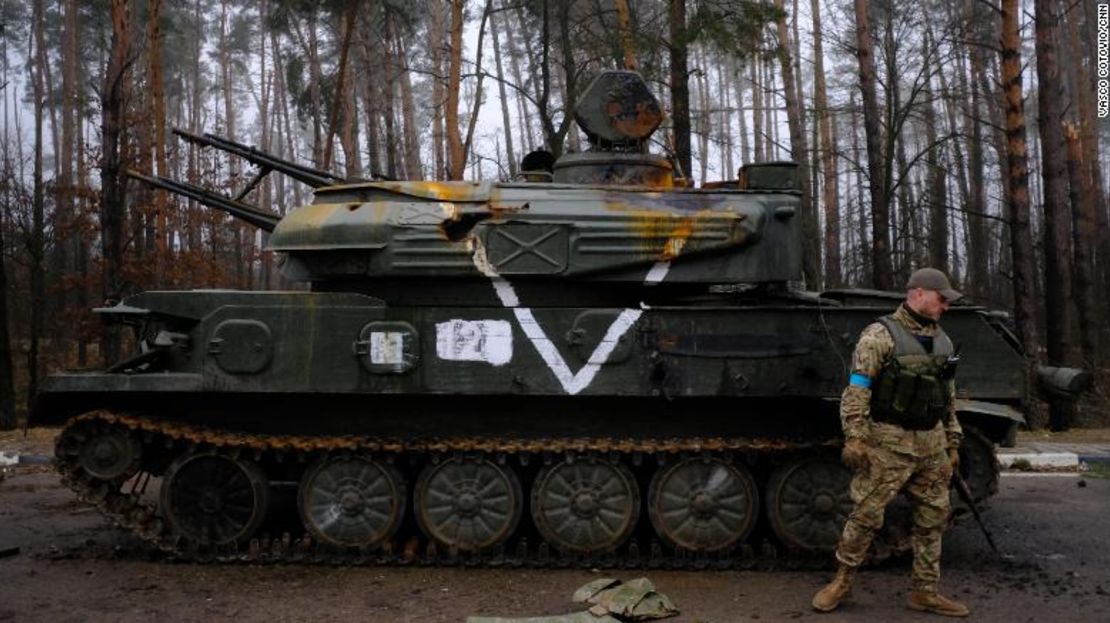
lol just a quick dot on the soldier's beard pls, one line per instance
(918, 316)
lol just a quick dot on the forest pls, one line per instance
(960, 134)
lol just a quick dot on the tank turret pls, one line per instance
(611, 216)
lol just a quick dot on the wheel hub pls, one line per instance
(585, 504)
(704, 505)
(209, 501)
(351, 502)
(105, 452)
(824, 503)
(467, 504)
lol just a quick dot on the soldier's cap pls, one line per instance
(933, 279)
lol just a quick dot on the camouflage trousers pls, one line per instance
(925, 480)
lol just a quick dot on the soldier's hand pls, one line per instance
(954, 459)
(856, 455)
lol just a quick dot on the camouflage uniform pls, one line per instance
(914, 460)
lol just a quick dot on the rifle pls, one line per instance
(965, 494)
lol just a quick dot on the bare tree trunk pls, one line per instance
(757, 111)
(438, 161)
(1082, 152)
(1092, 147)
(7, 385)
(282, 104)
(64, 215)
(458, 146)
(505, 119)
(524, 114)
(978, 275)
(811, 248)
(957, 150)
(113, 107)
(1057, 221)
(833, 278)
(725, 133)
(241, 255)
(316, 96)
(386, 93)
(907, 204)
(82, 251)
(456, 155)
(770, 112)
(158, 121)
(372, 65)
(700, 71)
(1083, 217)
(936, 175)
(265, 195)
(881, 267)
(36, 246)
(414, 169)
(624, 18)
(192, 174)
(866, 273)
(348, 29)
(738, 87)
(679, 83)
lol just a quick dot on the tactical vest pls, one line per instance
(911, 390)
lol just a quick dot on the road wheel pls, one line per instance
(585, 505)
(703, 504)
(468, 504)
(214, 499)
(351, 501)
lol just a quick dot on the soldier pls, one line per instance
(901, 432)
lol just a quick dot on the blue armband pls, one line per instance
(860, 380)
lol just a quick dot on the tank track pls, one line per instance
(122, 499)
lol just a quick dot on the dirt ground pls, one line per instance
(73, 566)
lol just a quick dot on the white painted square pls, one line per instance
(387, 347)
(490, 341)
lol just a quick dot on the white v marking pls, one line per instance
(572, 382)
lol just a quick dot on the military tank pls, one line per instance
(591, 364)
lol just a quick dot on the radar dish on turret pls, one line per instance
(618, 109)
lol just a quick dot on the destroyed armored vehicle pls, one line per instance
(600, 366)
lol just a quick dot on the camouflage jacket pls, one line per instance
(875, 346)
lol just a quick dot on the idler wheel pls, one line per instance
(110, 454)
(468, 504)
(351, 501)
(808, 502)
(213, 499)
(585, 506)
(704, 505)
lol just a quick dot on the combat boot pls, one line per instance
(828, 598)
(923, 601)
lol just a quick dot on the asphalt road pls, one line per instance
(72, 566)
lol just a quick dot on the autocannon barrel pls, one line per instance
(242, 211)
(313, 177)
